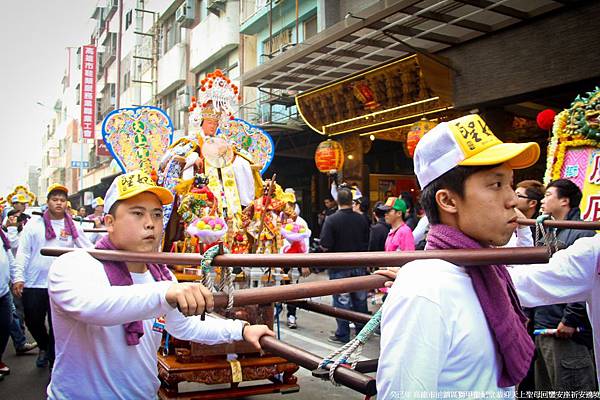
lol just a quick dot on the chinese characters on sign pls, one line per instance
(595, 164)
(88, 91)
(590, 202)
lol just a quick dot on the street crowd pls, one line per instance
(490, 331)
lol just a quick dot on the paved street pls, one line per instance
(26, 382)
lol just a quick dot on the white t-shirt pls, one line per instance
(30, 266)
(435, 337)
(6, 260)
(569, 277)
(93, 360)
(521, 237)
(13, 235)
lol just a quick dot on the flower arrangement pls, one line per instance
(209, 229)
(294, 232)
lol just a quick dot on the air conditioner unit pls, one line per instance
(184, 96)
(216, 6)
(185, 14)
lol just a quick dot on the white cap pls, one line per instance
(467, 141)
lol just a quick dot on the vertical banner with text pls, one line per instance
(88, 91)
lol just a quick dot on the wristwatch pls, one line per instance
(244, 325)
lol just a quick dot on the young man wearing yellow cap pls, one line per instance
(98, 215)
(109, 316)
(16, 218)
(447, 328)
(30, 272)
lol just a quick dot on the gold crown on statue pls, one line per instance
(209, 112)
(216, 96)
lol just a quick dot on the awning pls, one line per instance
(381, 99)
(387, 31)
(98, 190)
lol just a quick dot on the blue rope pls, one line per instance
(367, 331)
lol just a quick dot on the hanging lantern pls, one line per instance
(545, 119)
(416, 132)
(329, 156)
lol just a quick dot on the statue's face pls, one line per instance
(209, 126)
(195, 119)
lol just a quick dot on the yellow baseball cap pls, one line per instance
(131, 184)
(98, 201)
(58, 186)
(18, 198)
(289, 195)
(467, 141)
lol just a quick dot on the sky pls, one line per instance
(33, 57)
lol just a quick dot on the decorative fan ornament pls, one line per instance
(137, 137)
(251, 140)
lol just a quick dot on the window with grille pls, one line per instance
(128, 19)
(279, 42)
(171, 34)
(310, 27)
(169, 103)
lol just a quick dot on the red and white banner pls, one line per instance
(88, 91)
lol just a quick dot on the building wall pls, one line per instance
(211, 41)
(171, 86)
(544, 53)
(283, 18)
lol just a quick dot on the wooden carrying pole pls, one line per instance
(272, 294)
(350, 378)
(75, 219)
(563, 224)
(466, 257)
(586, 225)
(367, 366)
(305, 290)
(336, 312)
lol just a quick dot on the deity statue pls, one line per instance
(231, 174)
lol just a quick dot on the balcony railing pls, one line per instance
(264, 111)
(249, 8)
(111, 8)
(203, 52)
(110, 49)
(108, 100)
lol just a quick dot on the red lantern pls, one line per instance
(365, 95)
(416, 132)
(545, 119)
(329, 156)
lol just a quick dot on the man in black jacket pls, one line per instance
(346, 231)
(380, 229)
(565, 360)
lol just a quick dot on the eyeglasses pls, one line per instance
(523, 197)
